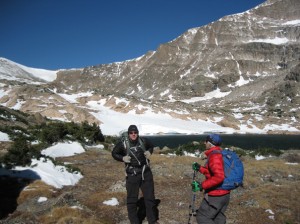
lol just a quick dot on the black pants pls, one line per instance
(133, 184)
(212, 210)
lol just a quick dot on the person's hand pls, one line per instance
(196, 166)
(147, 154)
(126, 159)
(202, 156)
(196, 186)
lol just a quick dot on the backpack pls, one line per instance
(233, 170)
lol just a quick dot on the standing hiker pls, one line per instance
(215, 201)
(135, 152)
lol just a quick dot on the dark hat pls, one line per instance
(133, 128)
(214, 139)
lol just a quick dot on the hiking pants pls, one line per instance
(133, 184)
(212, 210)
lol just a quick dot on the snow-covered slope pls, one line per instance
(240, 74)
(10, 70)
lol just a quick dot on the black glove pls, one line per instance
(196, 166)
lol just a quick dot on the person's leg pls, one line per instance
(147, 188)
(141, 212)
(132, 187)
(206, 213)
(220, 218)
(223, 203)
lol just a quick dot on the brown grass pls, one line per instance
(37, 188)
(269, 184)
(64, 215)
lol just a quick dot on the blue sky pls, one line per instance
(57, 34)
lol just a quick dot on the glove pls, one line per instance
(126, 159)
(196, 186)
(147, 154)
(196, 166)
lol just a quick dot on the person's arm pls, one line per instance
(216, 171)
(148, 145)
(118, 151)
(149, 148)
(204, 170)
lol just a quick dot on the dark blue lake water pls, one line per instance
(245, 141)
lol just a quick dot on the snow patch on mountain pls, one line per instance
(12, 71)
(276, 40)
(213, 94)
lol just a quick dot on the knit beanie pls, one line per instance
(214, 139)
(133, 128)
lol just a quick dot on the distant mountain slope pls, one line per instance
(14, 71)
(240, 72)
(225, 54)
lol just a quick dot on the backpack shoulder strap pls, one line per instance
(216, 151)
(125, 140)
(142, 144)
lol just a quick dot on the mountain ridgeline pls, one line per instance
(250, 61)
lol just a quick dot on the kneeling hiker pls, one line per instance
(135, 151)
(215, 201)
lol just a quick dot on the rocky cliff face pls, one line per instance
(250, 59)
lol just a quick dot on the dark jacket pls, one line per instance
(136, 152)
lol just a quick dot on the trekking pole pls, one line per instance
(192, 211)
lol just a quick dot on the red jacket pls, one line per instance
(213, 172)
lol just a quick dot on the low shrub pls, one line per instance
(293, 158)
(190, 147)
(268, 152)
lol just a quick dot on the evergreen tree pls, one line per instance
(18, 154)
(53, 132)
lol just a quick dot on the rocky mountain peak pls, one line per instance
(239, 71)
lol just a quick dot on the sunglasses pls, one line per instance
(133, 133)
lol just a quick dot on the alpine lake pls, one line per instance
(244, 141)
